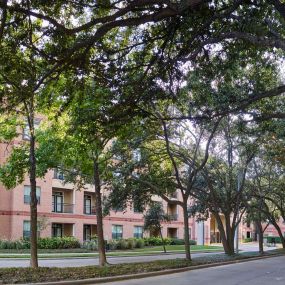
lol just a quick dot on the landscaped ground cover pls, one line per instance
(81, 252)
(28, 275)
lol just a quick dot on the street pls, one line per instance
(259, 272)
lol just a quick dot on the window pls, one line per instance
(57, 202)
(58, 174)
(138, 232)
(27, 229)
(86, 232)
(87, 205)
(117, 232)
(248, 224)
(57, 230)
(26, 129)
(27, 193)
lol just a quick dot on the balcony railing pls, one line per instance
(89, 210)
(63, 208)
(173, 217)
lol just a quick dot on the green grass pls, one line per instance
(43, 274)
(71, 253)
(178, 248)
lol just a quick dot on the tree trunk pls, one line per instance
(260, 236)
(162, 240)
(33, 204)
(186, 231)
(279, 233)
(226, 236)
(99, 215)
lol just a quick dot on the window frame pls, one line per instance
(116, 234)
(27, 197)
(138, 234)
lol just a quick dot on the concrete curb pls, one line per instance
(151, 274)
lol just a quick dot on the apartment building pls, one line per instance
(63, 211)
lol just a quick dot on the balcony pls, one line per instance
(63, 208)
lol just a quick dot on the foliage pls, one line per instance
(18, 244)
(129, 243)
(90, 245)
(247, 240)
(155, 241)
(270, 239)
(43, 243)
(58, 242)
(154, 217)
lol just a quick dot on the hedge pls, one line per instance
(43, 243)
(269, 239)
(58, 243)
(156, 241)
(248, 240)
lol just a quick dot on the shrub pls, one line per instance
(270, 239)
(247, 240)
(192, 242)
(90, 245)
(139, 243)
(122, 244)
(130, 243)
(113, 244)
(58, 243)
(156, 241)
(17, 244)
(177, 241)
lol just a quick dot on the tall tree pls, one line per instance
(220, 188)
(171, 157)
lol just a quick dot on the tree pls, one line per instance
(83, 137)
(171, 157)
(20, 97)
(153, 218)
(258, 218)
(170, 33)
(220, 187)
(267, 195)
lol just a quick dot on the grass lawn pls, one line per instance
(81, 252)
(179, 247)
(44, 274)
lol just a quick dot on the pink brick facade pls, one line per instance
(14, 212)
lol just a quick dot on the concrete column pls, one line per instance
(200, 233)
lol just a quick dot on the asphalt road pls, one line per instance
(260, 272)
(73, 262)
